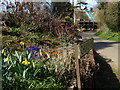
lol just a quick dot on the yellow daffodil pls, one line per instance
(40, 53)
(48, 56)
(20, 59)
(3, 51)
(7, 59)
(4, 54)
(22, 43)
(33, 64)
(25, 62)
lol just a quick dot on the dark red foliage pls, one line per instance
(37, 21)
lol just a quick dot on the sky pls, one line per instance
(91, 3)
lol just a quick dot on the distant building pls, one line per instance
(91, 9)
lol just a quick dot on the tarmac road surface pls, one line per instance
(107, 49)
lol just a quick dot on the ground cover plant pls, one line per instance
(30, 58)
(22, 70)
(37, 49)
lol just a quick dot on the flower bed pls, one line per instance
(36, 68)
(44, 68)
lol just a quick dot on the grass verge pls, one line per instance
(116, 72)
(109, 36)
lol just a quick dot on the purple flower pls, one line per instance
(35, 56)
(32, 48)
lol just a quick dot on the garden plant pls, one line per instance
(37, 49)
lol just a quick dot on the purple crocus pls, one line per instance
(32, 49)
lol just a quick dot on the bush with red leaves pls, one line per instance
(26, 15)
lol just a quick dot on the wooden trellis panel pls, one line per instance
(85, 47)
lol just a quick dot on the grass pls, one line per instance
(116, 72)
(109, 36)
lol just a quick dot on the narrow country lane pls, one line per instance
(106, 48)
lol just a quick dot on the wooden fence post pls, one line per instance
(91, 56)
(77, 66)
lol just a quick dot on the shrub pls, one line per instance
(41, 22)
(108, 14)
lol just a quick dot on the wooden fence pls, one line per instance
(81, 49)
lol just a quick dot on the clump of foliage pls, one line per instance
(36, 68)
(109, 15)
(20, 70)
(62, 9)
(28, 15)
(40, 68)
(32, 57)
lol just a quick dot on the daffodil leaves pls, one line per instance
(24, 72)
(17, 55)
(29, 56)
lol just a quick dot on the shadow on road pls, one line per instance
(105, 78)
(102, 45)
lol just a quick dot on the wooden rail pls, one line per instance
(81, 49)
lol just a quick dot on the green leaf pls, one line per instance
(29, 55)
(36, 71)
(9, 67)
(24, 72)
(16, 54)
